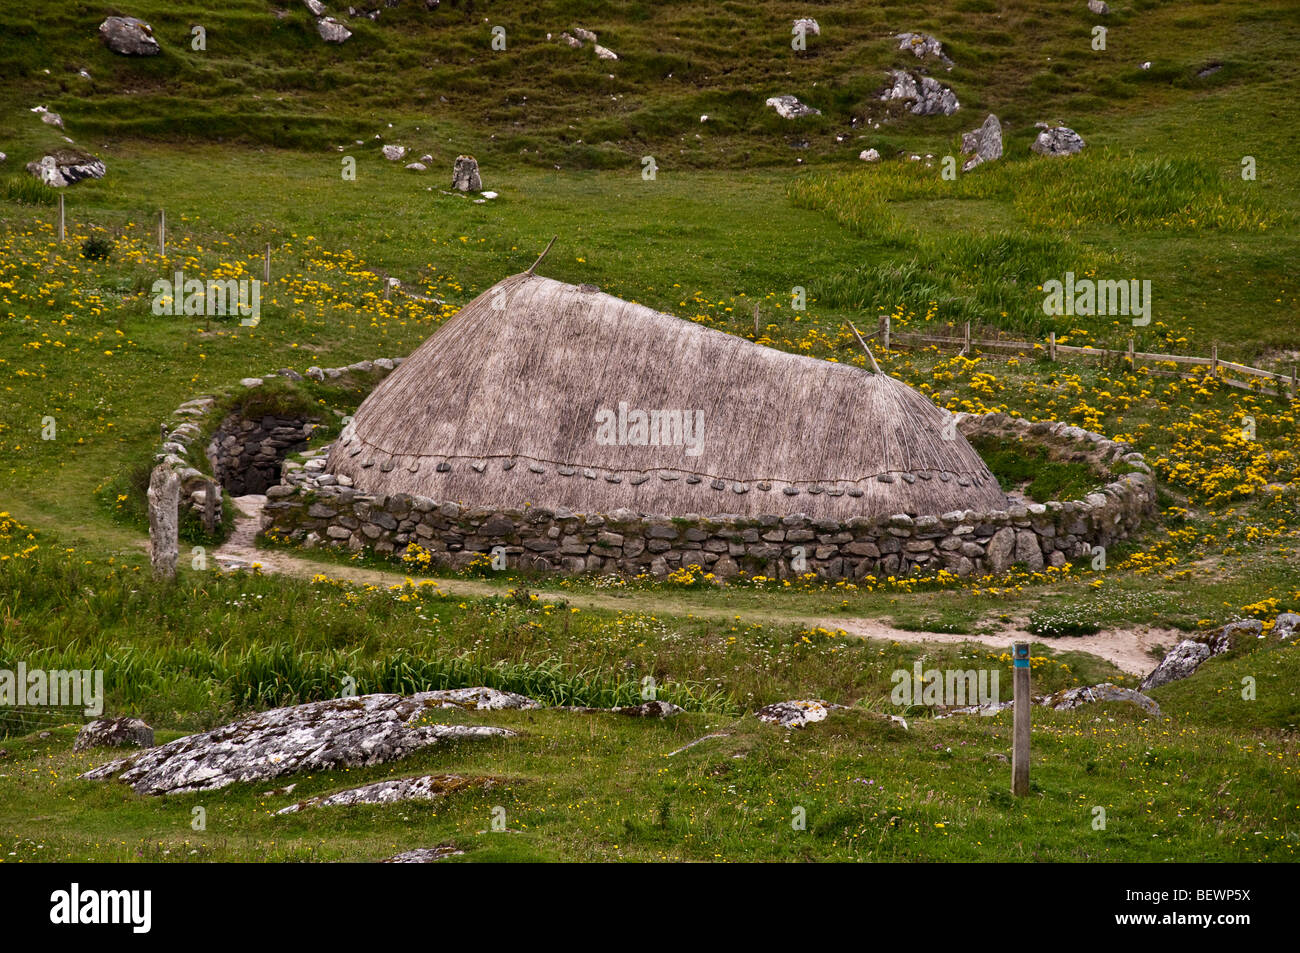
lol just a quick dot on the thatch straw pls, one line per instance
(499, 408)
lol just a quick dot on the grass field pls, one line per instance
(240, 145)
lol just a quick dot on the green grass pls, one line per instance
(240, 146)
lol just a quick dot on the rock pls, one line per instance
(584, 34)
(114, 733)
(465, 176)
(1001, 549)
(417, 166)
(316, 7)
(985, 142)
(1284, 626)
(869, 155)
(424, 855)
(650, 709)
(788, 107)
(927, 96)
(572, 41)
(479, 699)
(331, 30)
(1105, 692)
(316, 736)
(394, 153)
(808, 25)
(922, 45)
(164, 495)
(61, 167)
(428, 787)
(489, 195)
(1098, 7)
(48, 117)
(3, 157)
(251, 381)
(128, 36)
(1144, 65)
(796, 713)
(605, 54)
(1057, 141)
(1183, 659)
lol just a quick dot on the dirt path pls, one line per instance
(1128, 649)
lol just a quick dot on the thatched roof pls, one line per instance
(500, 407)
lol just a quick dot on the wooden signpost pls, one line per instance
(1022, 703)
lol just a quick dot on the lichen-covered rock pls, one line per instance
(316, 736)
(927, 95)
(1105, 692)
(394, 153)
(985, 143)
(424, 855)
(922, 45)
(465, 175)
(869, 155)
(795, 713)
(1284, 626)
(428, 787)
(788, 107)
(1098, 7)
(331, 30)
(650, 709)
(479, 699)
(114, 733)
(808, 26)
(61, 167)
(1057, 141)
(128, 36)
(1183, 659)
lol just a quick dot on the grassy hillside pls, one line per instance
(240, 145)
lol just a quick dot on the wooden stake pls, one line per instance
(1214, 360)
(965, 348)
(162, 232)
(1051, 346)
(1293, 382)
(542, 255)
(63, 234)
(266, 266)
(1130, 353)
(888, 328)
(1021, 726)
(756, 334)
(870, 356)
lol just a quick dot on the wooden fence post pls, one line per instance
(210, 497)
(1293, 381)
(162, 233)
(1051, 346)
(965, 348)
(1214, 360)
(1021, 727)
(756, 334)
(1132, 363)
(63, 233)
(266, 267)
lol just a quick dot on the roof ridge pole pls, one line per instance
(542, 255)
(870, 356)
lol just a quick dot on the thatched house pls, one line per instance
(560, 396)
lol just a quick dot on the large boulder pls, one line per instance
(983, 144)
(316, 736)
(796, 713)
(1284, 626)
(64, 166)
(1057, 141)
(128, 36)
(788, 107)
(927, 96)
(114, 733)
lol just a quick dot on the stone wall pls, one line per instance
(310, 507)
(246, 454)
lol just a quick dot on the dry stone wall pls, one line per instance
(311, 507)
